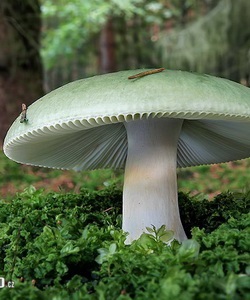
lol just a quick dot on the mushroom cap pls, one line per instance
(80, 125)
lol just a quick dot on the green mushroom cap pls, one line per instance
(80, 125)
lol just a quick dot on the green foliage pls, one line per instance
(68, 246)
(160, 234)
(210, 214)
(72, 29)
(36, 230)
(216, 43)
(72, 23)
(209, 266)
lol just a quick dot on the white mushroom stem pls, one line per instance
(150, 184)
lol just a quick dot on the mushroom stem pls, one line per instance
(150, 184)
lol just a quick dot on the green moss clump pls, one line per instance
(68, 246)
(210, 214)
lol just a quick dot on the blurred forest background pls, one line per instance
(45, 44)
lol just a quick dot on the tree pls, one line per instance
(84, 38)
(89, 37)
(20, 63)
(217, 43)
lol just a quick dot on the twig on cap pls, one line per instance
(145, 73)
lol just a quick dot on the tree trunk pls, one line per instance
(107, 57)
(20, 62)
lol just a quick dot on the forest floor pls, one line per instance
(205, 181)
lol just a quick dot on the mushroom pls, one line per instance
(149, 125)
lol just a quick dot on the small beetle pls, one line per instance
(23, 118)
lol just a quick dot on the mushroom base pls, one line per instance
(150, 183)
